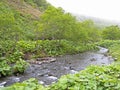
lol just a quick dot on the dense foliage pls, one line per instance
(12, 64)
(111, 33)
(41, 4)
(56, 24)
(55, 33)
(42, 48)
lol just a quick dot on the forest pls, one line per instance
(53, 33)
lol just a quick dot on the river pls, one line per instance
(48, 73)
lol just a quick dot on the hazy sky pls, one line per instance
(106, 9)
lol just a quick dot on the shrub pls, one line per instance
(16, 56)
(20, 66)
(5, 69)
(108, 43)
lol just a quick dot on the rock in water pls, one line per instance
(41, 82)
(73, 71)
(92, 59)
(12, 80)
(52, 77)
(2, 84)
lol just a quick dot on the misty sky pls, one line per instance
(105, 9)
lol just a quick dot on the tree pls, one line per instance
(89, 32)
(55, 23)
(111, 32)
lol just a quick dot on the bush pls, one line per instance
(6, 47)
(114, 50)
(5, 69)
(16, 56)
(12, 64)
(111, 33)
(20, 66)
(41, 48)
(26, 46)
(108, 43)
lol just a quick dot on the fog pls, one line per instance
(104, 9)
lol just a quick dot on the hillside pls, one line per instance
(24, 8)
(17, 17)
(99, 22)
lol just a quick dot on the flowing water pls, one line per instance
(48, 73)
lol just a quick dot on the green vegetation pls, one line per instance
(113, 46)
(6, 67)
(41, 4)
(115, 51)
(31, 84)
(13, 25)
(55, 33)
(56, 24)
(111, 33)
(92, 78)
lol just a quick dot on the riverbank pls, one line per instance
(48, 73)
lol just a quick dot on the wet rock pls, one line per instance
(115, 59)
(73, 71)
(105, 54)
(41, 74)
(2, 84)
(50, 74)
(53, 82)
(46, 75)
(69, 63)
(109, 57)
(102, 63)
(12, 80)
(93, 59)
(15, 79)
(41, 82)
(52, 78)
(67, 68)
(44, 67)
(72, 68)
